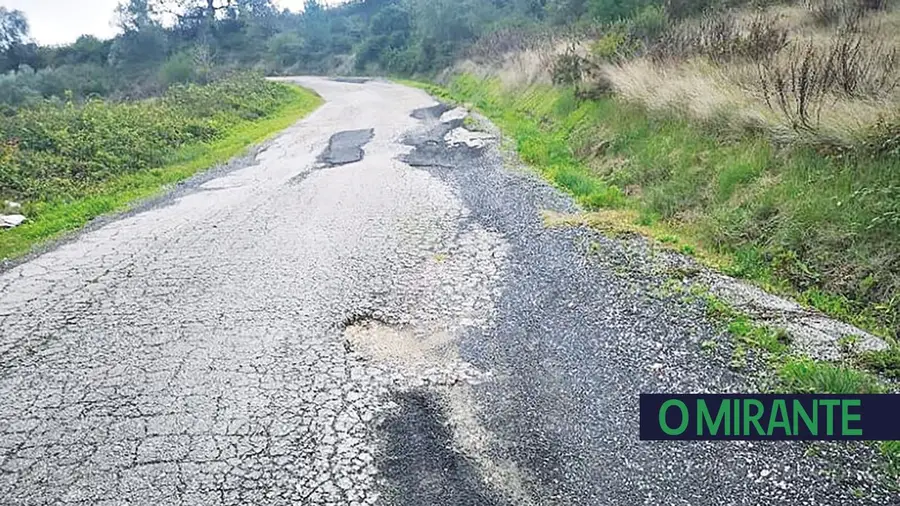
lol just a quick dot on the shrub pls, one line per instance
(178, 69)
(495, 45)
(52, 149)
(569, 68)
(846, 13)
(801, 82)
(649, 23)
(721, 38)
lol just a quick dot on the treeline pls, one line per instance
(178, 41)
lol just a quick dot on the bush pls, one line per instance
(848, 13)
(178, 69)
(52, 149)
(856, 66)
(722, 39)
(569, 68)
(649, 23)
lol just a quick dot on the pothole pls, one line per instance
(431, 113)
(425, 365)
(415, 357)
(346, 147)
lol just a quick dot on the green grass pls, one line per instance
(49, 219)
(885, 362)
(804, 375)
(800, 374)
(822, 229)
(795, 223)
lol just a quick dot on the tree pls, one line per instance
(194, 10)
(87, 49)
(15, 48)
(13, 28)
(286, 48)
(136, 15)
(139, 48)
(566, 11)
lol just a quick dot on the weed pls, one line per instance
(804, 375)
(668, 239)
(720, 37)
(709, 346)
(738, 358)
(809, 78)
(885, 362)
(849, 345)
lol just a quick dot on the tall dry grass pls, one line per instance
(783, 70)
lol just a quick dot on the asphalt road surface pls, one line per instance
(368, 310)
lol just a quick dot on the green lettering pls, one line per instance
(829, 404)
(779, 407)
(846, 418)
(753, 418)
(811, 423)
(704, 418)
(684, 417)
(737, 417)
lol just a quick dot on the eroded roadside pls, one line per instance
(584, 323)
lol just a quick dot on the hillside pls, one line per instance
(765, 138)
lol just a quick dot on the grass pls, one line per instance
(818, 228)
(591, 149)
(53, 218)
(800, 374)
(803, 375)
(885, 362)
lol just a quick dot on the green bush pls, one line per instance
(649, 23)
(57, 149)
(178, 69)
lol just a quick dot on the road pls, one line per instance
(363, 312)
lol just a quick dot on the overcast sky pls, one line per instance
(62, 21)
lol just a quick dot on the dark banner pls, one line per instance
(770, 417)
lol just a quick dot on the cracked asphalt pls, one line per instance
(366, 311)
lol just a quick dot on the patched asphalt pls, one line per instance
(400, 328)
(346, 147)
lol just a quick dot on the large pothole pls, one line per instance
(346, 147)
(416, 358)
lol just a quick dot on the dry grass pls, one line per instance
(518, 64)
(515, 69)
(741, 92)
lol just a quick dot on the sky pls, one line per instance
(63, 21)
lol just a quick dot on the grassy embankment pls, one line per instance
(706, 150)
(69, 163)
(765, 142)
(548, 126)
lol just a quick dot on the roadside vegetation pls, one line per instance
(764, 138)
(68, 162)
